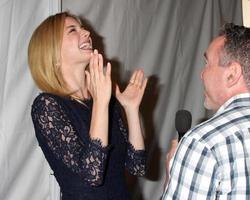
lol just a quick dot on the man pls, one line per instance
(212, 160)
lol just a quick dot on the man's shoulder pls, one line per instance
(220, 126)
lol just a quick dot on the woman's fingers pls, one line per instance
(108, 70)
(98, 81)
(132, 79)
(96, 65)
(100, 66)
(137, 79)
(91, 64)
(87, 79)
(144, 84)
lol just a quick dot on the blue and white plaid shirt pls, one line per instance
(213, 159)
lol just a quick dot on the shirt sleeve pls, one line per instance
(56, 133)
(193, 173)
(135, 160)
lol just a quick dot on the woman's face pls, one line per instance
(76, 43)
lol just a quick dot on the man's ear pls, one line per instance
(233, 74)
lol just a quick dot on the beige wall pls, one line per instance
(246, 12)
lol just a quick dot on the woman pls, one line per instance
(77, 122)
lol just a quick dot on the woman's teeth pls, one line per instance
(86, 46)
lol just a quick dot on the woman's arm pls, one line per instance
(99, 86)
(130, 99)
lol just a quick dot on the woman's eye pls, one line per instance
(72, 30)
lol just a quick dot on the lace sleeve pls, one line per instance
(136, 159)
(53, 127)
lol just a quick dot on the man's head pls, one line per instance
(227, 69)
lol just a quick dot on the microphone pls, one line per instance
(183, 120)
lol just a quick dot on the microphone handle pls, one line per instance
(180, 135)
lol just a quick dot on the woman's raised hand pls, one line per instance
(131, 97)
(99, 82)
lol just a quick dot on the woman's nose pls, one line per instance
(85, 33)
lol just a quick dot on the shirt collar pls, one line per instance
(235, 101)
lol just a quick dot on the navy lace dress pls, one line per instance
(84, 169)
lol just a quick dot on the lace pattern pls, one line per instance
(136, 159)
(54, 130)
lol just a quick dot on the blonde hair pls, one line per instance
(44, 54)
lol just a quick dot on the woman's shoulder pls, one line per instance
(43, 100)
(47, 97)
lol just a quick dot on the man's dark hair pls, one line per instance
(236, 48)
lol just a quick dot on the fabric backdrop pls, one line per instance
(167, 38)
(24, 173)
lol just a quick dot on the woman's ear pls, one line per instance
(233, 74)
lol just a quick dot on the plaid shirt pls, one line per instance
(213, 159)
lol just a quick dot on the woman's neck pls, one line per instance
(75, 79)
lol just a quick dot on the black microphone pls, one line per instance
(183, 120)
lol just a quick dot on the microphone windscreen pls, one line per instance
(183, 121)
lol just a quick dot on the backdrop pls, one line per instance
(24, 173)
(167, 38)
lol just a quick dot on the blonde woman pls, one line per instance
(77, 121)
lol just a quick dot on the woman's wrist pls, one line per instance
(100, 104)
(131, 110)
